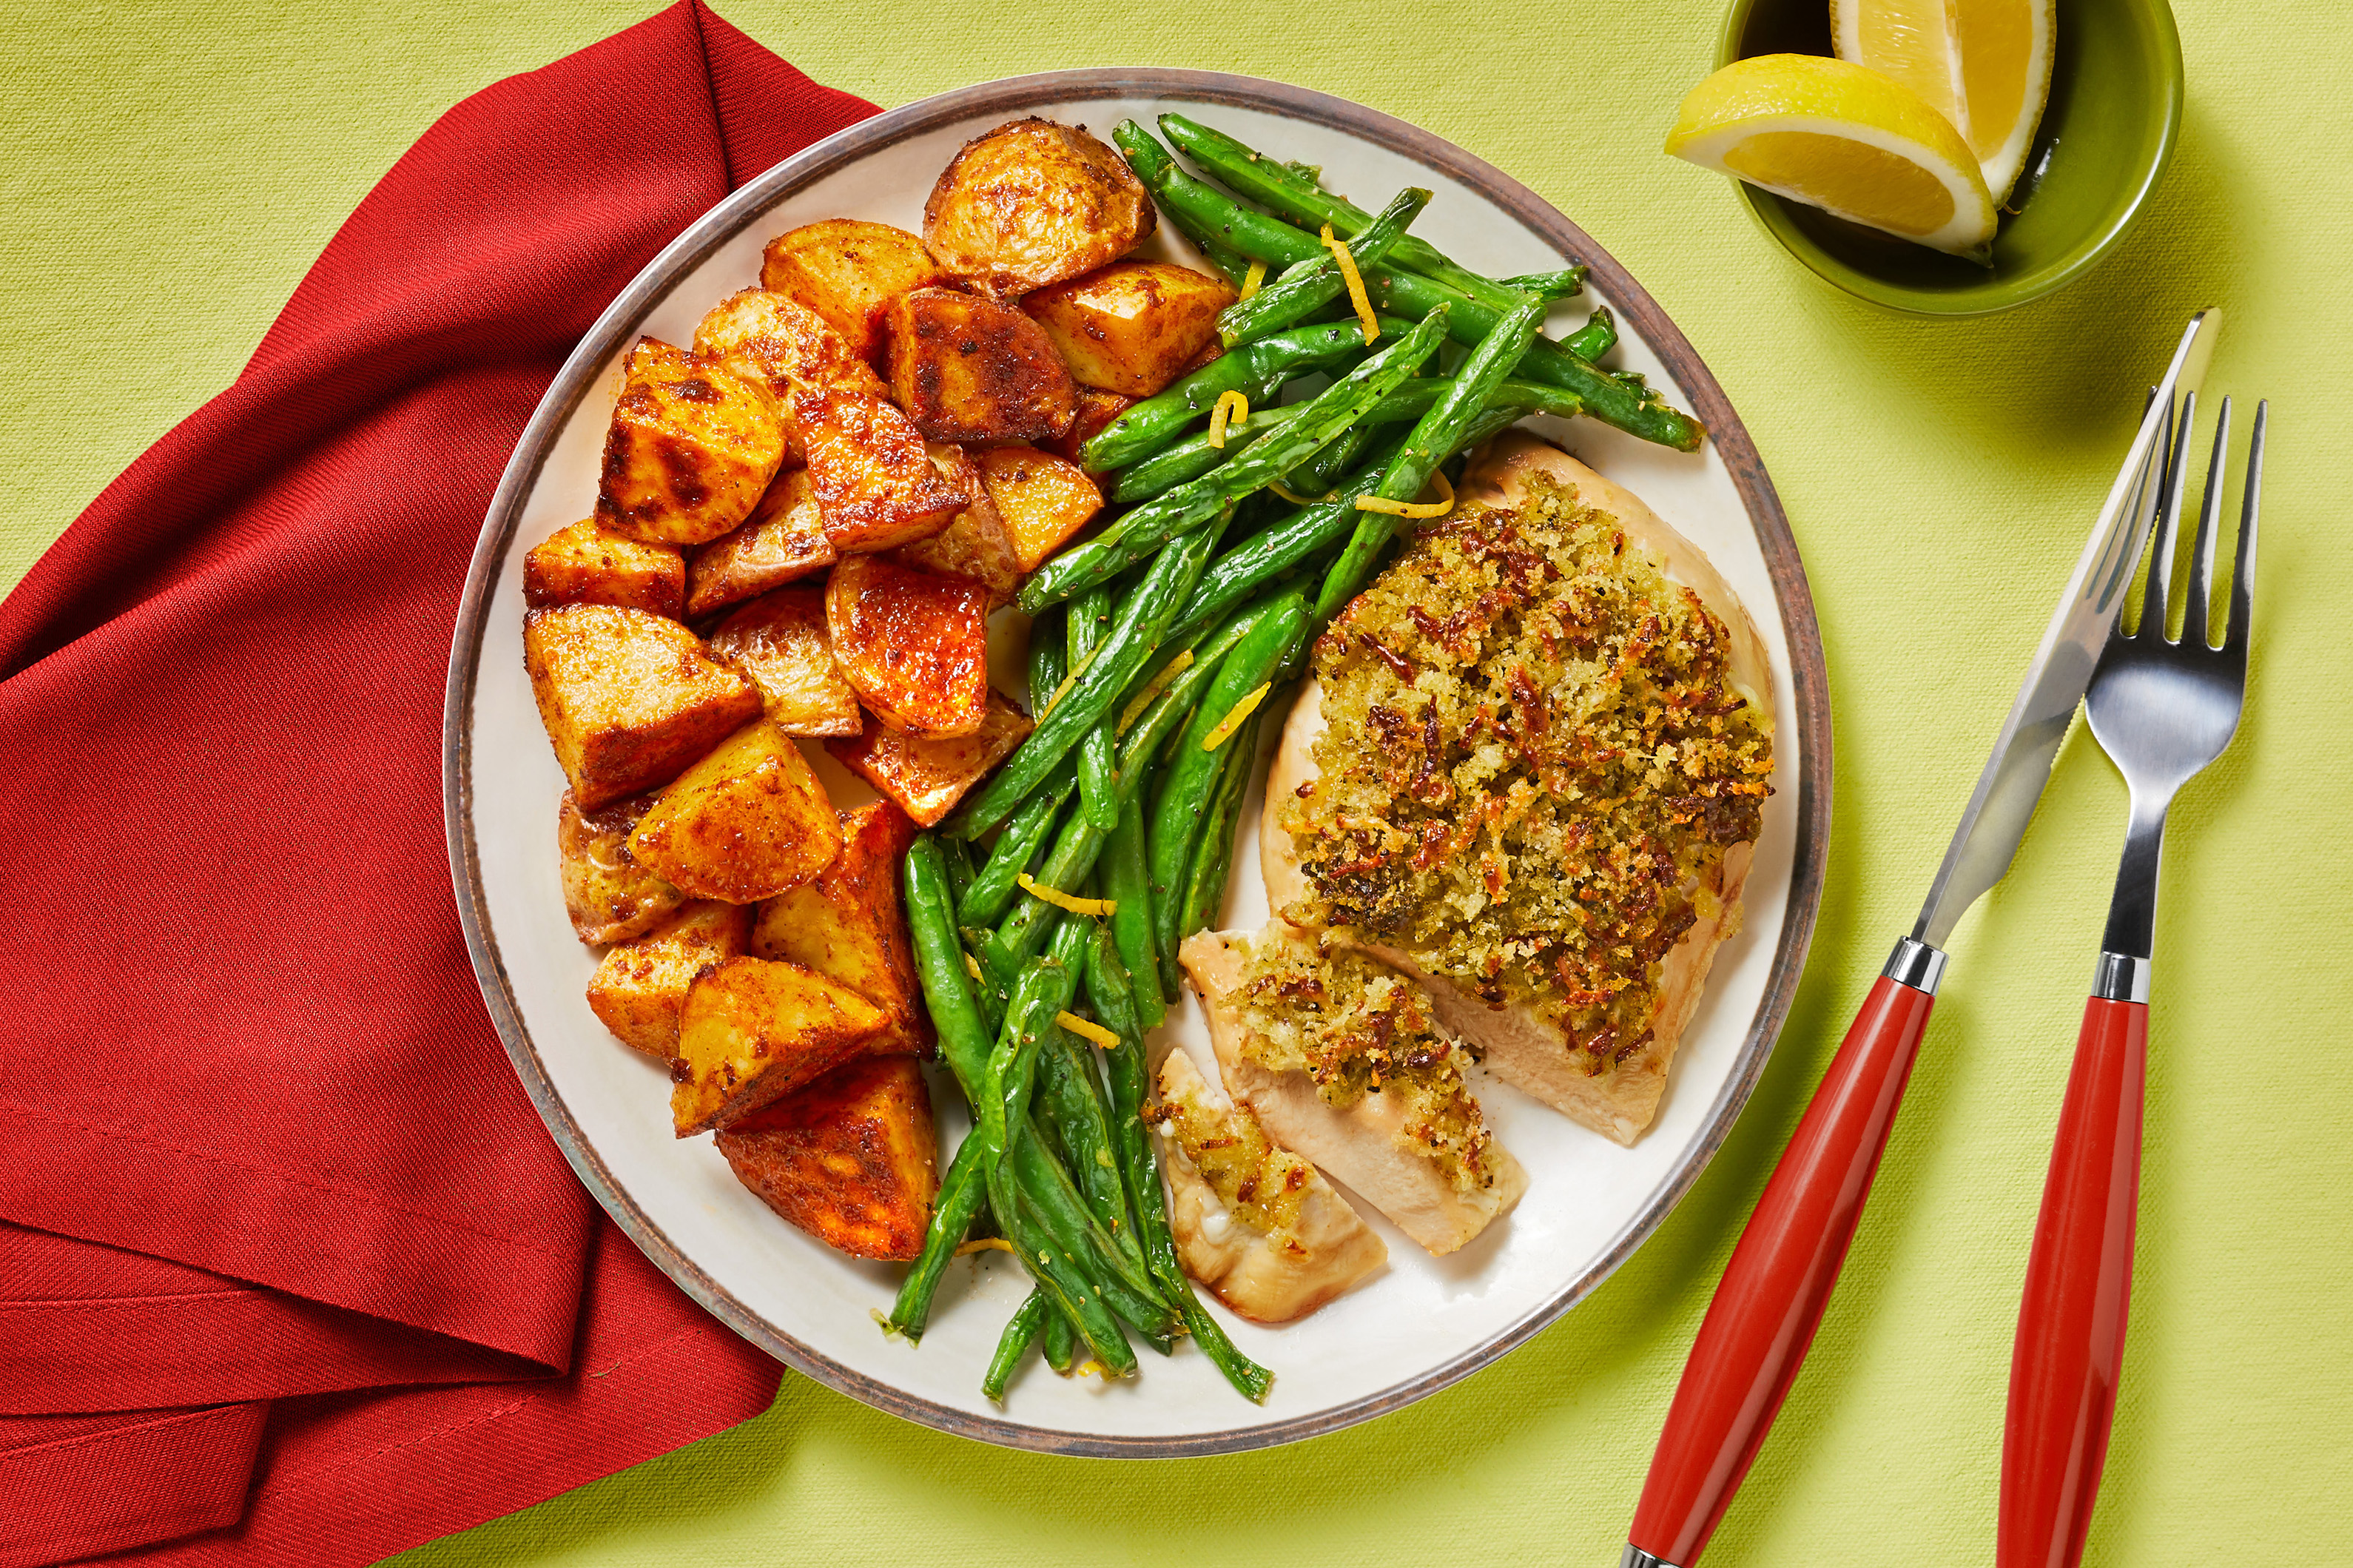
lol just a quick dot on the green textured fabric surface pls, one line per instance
(172, 171)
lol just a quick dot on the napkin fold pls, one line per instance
(290, 1269)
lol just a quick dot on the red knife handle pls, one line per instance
(1772, 1294)
(2071, 1326)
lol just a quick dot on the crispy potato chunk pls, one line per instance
(848, 924)
(783, 542)
(1042, 498)
(969, 368)
(977, 546)
(878, 484)
(608, 895)
(780, 642)
(641, 985)
(1096, 408)
(851, 1159)
(743, 823)
(847, 271)
(1133, 327)
(753, 1031)
(915, 645)
(690, 447)
(628, 697)
(776, 341)
(926, 778)
(1033, 203)
(588, 563)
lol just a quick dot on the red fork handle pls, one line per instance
(2071, 1326)
(1771, 1298)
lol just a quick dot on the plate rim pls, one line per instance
(1793, 601)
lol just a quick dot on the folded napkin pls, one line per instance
(291, 1271)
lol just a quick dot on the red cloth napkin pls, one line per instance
(291, 1271)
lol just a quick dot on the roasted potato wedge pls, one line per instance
(690, 447)
(851, 1159)
(608, 895)
(926, 778)
(1033, 203)
(776, 343)
(743, 823)
(1042, 498)
(969, 368)
(588, 563)
(1131, 327)
(641, 984)
(977, 546)
(779, 640)
(783, 542)
(1096, 408)
(753, 1031)
(847, 271)
(847, 926)
(628, 697)
(915, 645)
(878, 484)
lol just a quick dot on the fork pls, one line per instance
(2161, 710)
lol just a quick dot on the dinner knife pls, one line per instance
(1765, 1309)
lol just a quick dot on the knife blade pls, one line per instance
(1774, 1292)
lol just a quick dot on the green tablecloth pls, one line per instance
(172, 171)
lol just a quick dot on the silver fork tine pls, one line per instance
(2201, 554)
(2154, 594)
(2243, 574)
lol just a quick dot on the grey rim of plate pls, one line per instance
(1047, 90)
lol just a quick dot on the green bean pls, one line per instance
(1283, 189)
(1139, 628)
(1309, 286)
(1068, 864)
(964, 1043)
(995, 885)
(1213, 851)
(1134, 534)
(1061, 1346)
(1255, 371)
(1178, 815)
(1561, 283)
(1075, 1293)
(1073, 1100)
(963, 1192)
(1195, 456)
(1128, 884)
(1620, 401)
(1044, 989)
(1122, 1282)
(1089, 615)
(1022, 1331)
(958, 856)
(1431, 442)
(1143, 740)
(1111, 993)
(1226, 260)
(1047, 655)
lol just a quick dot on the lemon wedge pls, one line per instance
(1985, 64)
(1844, 139)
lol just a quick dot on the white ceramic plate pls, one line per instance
(1424, 1322)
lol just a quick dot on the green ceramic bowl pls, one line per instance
(2104, 140)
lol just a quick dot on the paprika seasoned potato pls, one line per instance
(1042, 498)
(879, 485)
(752, 1030)
(628, 697)
(926, 778)
(641, 984)
(779, 640)
(608, 895)
(779, 344)
(1033, 203)
(782, 541)
(847, 270)
(851, 1159)
(743, 823)
(969, 368)
(588, 563)
(915, 645)
(847, 924)
(977, 546)
(690, 447)
(1131, 327)
(1096, 408)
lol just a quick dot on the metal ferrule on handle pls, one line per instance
(2120, 977)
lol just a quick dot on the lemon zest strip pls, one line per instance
(1088, 1030)
(1355, 280)
(1294, 498)
(1252, 279)
(1063, 900)
(1411, 509)
(1232, 408)
(1233, 720)
(986, 1244)
(1151, 693)
(972, 966)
